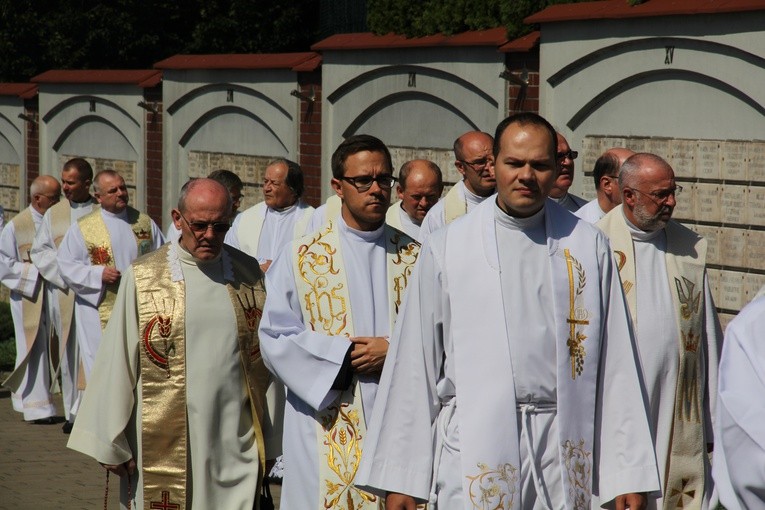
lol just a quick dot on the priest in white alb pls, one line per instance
(332, 299)
(94, 253)
(30, 380)
(419, 188)
(76, 178)
(263, 229)
(663, 269)
(177, 405)
(512, 378)
(474, 161)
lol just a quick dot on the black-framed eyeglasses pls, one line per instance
(661, 195)
(476, 165)
(364, 182)
(219, 227)
(572, 155)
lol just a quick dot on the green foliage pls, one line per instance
(38, 35)
(416, 18)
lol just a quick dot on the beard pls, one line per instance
(650, 222)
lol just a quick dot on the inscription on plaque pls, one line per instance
(752, 284)
(733, 200)
(660, 147)
(637, 144)
(708, 159)
(712, 235)
(708, 201)
(731, 290)
(732, 246)
(755, 161)
(682, 158)
(756, 202)
(686, 203)
(734, 161)
(713, 275)
(755, 249)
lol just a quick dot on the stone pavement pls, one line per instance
(38, 471)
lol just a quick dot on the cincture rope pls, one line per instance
(106, 492)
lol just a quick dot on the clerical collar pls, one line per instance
(76, 205)
(285, 211)
(185, 256)
(36, 215)
(514, 223)
(405, 215)
(641, 235)
(121, 215)
(362, 235)
(471, 197)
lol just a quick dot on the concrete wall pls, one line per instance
(13, 189)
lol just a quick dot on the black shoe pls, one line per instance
(51, 420)
(67, 428)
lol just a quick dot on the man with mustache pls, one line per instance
(333, 297)
(474, 161)
(95, 251)
(663, 271)
(565, 157)
(76, 178)
(513, 384)
(177, 406)
(419, 188)
(282, 216)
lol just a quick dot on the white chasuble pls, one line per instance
(261, 231)
(451, 372)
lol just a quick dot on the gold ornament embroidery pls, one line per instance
(683, 493)
(621, 260)
(578, 465)
(325, 305)
(341, 435)
(163, 323)
(577, 316)
(406, 255)
(252, 315)
(687, 409)
(493, 489)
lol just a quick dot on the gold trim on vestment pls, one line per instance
(455, 205)
(99, 246)
(578, 464)
(493, 488)
(321, 282)
(577, 316)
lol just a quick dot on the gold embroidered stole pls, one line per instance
(99, 246)
(162, 324)
(321, 281)
(31, 309)
(685, 258)
(455, 205)
(392, 216)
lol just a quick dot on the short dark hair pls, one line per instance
(100, 175)
(294, 178)
(84, 170)
(526, 118)
(406, 168)
(606, 165)
(355, 144)
(226, 177)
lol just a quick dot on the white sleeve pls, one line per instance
(44, 253)
(18, 276)
(77, 272)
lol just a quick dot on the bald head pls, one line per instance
(419, 187)
(45, 192)
(203, 216)
(648, 190)
(475, 161)
(606, 174)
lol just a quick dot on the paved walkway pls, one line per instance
(38, 471)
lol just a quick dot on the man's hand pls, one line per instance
(126, 468)
(110, 275)
(396, 501)
(368, 354)
(632, 501)
(265, 265)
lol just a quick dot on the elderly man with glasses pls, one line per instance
(333, 297)
(663, 270)
(475, 162)
(565, 158)
(178, 404)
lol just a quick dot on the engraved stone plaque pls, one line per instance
(733, 202)
(732, 245)
(755, 160)
(714, 284)
(707, 202)
(712, 235)
(756, 201)
(590, 152)
(682, 158)
(686, 202)
(734, 161)
(660, 147)
(637, 144)
(707, 159)
(755, 250)
(731, 290)
(753, 282)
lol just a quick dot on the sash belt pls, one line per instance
(527, 409)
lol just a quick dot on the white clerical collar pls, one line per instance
(641, 235)
(367, 236)
(121, 215)
(405, 215)
(514, 223)
(177, 254)
(471, 197)
(79, 205)
(36, 215)
(283, 212)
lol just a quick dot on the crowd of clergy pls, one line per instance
(504, 345)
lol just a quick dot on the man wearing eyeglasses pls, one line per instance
(333, 297)
(606, 176)
(264, 228)
(177, 406)
(559, 192)
(30, 381)
(94, 253)
(76, 178)
(663, 270)
(475, 162)
(419, 188)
